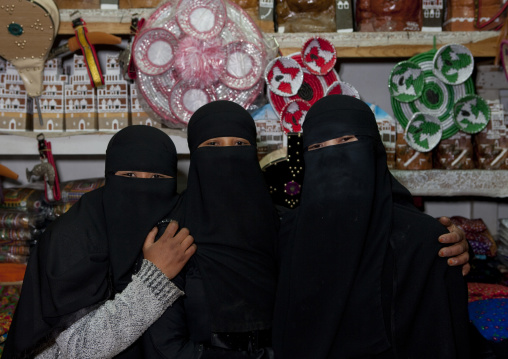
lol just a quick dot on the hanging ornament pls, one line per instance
(437, 99)
(204, 50)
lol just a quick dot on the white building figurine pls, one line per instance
(52, 100)
(80, 99)
(15, 105)
(113, 98)
(138, 114)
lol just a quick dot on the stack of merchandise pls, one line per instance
(488, 296)
(72, 191)
(18, 232)
(23, 213)
(502, 250)
(22, 218)
(10, 296)
(478, 236)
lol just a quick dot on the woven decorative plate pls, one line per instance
(219, 53)
(453, 64)
(423, 132)
(437, 99)
(201, 19)
(293, 115)
(312, 89)
(284, 76)
(244, 65)
(406, 81)
(471, 114)
(319, 56)
(185, 99)
(154, 51)
(342, 88)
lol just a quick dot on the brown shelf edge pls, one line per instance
(348, 45)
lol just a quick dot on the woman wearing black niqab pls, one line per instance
(360, 277)
(89, 255)
(230, 285)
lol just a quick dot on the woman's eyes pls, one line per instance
(346, 139)
(315, 146)
(242, 143)
(212, 143)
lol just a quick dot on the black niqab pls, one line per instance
(229, 213)
(90, 253)
(361, 270)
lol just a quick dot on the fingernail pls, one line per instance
(452, 261)
(441, 253)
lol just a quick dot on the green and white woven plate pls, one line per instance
(437, 99)
(406, 81)
(471, 114)
(423, 132)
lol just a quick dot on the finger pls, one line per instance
(453, 250)
(452, 237)
(445, 221)
(191, 250)
(465, 269)
(171, 229)
(150, 238)
(184, 232)
(187, 242)
(458, 260)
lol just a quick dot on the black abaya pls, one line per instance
(231, 280)
(360, 276)
(90, 253)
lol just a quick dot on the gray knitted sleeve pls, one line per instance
(106, 331)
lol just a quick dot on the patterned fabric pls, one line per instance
(481, 291)
(9, 296)
(490, 317)
(478, 236)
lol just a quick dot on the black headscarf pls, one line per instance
(361, 275)
(229, 213)
(90, 253)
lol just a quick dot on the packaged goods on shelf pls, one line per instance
(455, 153)
(310, 16)
(24, 199)
(13, 219)
(380, 15)
(460, 15)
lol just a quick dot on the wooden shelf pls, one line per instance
(446, 183)
(393, 44)
(348, 45)
(72, 143)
